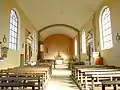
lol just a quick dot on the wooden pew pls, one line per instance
(23, 77)
(25, 71)
(36, 76)
(43, 71)
(75, 72)
(82, 74)
(14, 84)
(78, 71)
(42, 66)
(85, 73)
(97, 77)
(114, 83)
(75, 67)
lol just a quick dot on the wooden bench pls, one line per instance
(110, 76)
(114, 83)
(78, 73)
(47, 69)
(87, 75)
(76, 67)
(98, 74)
(17, 84)
(26, 73)
(41, 73)
(24, 78)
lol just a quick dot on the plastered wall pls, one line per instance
(111, 56)
(58, 43)
(13, 58)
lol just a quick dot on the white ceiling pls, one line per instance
(47, 12)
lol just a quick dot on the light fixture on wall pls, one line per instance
(118, 37)
(3, 48)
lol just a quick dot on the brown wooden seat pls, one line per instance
(18, 84)
(114, 83)
(89, 76)
(39, 74)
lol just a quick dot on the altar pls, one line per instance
(59, 59)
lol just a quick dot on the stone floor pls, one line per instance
(61, 80)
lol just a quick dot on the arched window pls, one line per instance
(83, 42)
(14, 26)
(75, 45)
(34, 41)
(105, 29)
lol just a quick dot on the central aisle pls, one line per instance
(61, 80)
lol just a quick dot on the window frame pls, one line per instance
(34, 41)
(103, 30)
(13, 30)
(75, 47)
(83, 42)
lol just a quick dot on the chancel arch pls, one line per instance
(64, 29)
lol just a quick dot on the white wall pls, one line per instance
(111, 56)
(13, 58)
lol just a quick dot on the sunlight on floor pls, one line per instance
(61, 80)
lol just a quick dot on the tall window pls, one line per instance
(13, 39)
(83, 42)
(75, 45)
(105, 29)
(34, 42)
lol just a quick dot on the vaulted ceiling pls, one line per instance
(43, 13)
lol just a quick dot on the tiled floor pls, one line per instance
(61, 80)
